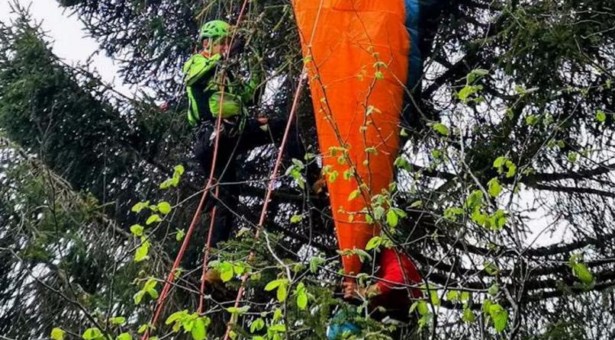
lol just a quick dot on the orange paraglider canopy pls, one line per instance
(356, 53)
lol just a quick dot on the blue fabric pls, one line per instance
(415, 72)
(342, 324)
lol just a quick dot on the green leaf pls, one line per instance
(150, 288)
(452, 213)
(600, 116)
(282, 292)
(581, 271)
(167, 183)
(177, 316)
(499, 162)
(392, 218)
(143, 328)
(124, 336)
(238, 310)
(573, 156)
(499, 316)
(512, 169)
(402, 163)
(139, 206)
(531, 120)
(92, 334)
(424, 321)
(315, 262)
(278, 328)
(296, 218)
(137, 230)
(198, 330)
(465, 296)
(142, 252)
(452, 295)
(226, 271)
(138, 297)
(363, 255)
(491, 268)
(178, 170)
(441, 129)
(371, 150)
(302, 300)
(480, 72)
(151, 283)
(118, 320)
(353, 195)
(164, 208)
(348, 174)
(277, 314)
(422, 308)
(480, 218)
(498, 220)
(257, 325)
(153, 219)
(239, 268)
(373, 243)
(435, 299)
(474, 200)
(494, 187)
(274, 284)
(466, 92)
(494, 289)
(57, 334)
(152, 293)
(468, 316)
(180, 235)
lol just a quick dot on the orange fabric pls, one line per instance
(347, 46)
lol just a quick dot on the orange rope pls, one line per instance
(206, 255)
(270, 188)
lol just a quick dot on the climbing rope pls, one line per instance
(270, 188)
(206, 255)
(274, 175)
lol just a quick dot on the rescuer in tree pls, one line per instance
(214, 90)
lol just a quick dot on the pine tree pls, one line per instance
(512, 146)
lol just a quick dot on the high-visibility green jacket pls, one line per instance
(210, 93)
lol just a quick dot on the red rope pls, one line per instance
(206, 256)
(274, 174)
(270, 188)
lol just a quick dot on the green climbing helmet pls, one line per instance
(215, 29)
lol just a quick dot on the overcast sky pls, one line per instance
(69, 40)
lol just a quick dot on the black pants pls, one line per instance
(225, 173)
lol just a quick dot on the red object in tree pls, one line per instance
(396, 272)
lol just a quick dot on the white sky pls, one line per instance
(68, 38)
